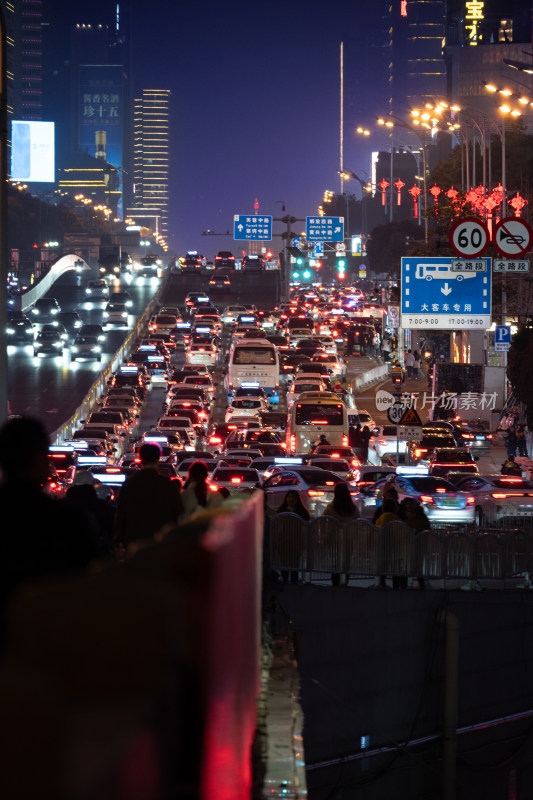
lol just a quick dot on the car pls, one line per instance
(71, 320)
(253, 263)
(182, 468)
(193, 261)
(97, 290)
(56, 327)
(421, 451)
(221, 281)
(230, 314)
(244, 407)
(315, 486)
(116, 313)
(85, 346)
(45, 309)
(93, 329)
(122, 297)
(337, 465)
(48, 342)
(450, 459)
(440, 500)
(386, 442)
(204, 354)
(225, 258)
(233, 478)
(335, 364)
(336, 451)
(163, 323)
(303, 385)
(19, 329)
(498, 498)
(361, 417)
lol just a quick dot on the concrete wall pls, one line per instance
(372, 665)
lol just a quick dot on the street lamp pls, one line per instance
(346, 175)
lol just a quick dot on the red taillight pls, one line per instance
(426, 498)
(499, 495)
(345, 439)
(293, 441)
(215, 440)
(314, 493)
(236, 480)
(470, 500)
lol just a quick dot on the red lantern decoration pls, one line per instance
(399, 186)
(415, 191)
(435, 191)
(518, 202)
(451, 194)
(383, 185)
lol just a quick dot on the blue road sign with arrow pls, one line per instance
(252, 226)
(445, 293)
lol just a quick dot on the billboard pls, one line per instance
(32, 151)
(101, 113)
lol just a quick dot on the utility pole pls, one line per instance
(287, 236)
(3, 222)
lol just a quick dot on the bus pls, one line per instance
(253, 363)
(314, 414)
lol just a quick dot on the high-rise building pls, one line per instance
(150, 160)
(481, 36)
(417, 67)
(24, 28)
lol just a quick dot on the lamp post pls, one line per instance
(346, 175)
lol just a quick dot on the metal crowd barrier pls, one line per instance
(323, 546)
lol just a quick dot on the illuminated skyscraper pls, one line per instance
(150, 159)
(24, 58)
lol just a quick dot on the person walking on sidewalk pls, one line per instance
(521, 444)
(409, 362)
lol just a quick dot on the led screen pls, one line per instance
(32, 151)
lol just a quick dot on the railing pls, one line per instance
(323, 546)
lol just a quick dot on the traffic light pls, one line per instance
(299, 261)
(306, 274)
(341, 268)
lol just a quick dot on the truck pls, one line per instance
(109, 260)
(472, 391)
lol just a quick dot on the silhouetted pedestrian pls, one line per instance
(147, 501)
(366, 435)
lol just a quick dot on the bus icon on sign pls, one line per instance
(440, 272)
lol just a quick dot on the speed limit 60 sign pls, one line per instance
(469, 237)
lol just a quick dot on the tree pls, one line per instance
(388, 243)
(520, 378)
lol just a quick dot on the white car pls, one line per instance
(385, 442)
(315, 486)
(116, 313)
(230, 314)
(244, 407)
(205, 354)
(233, 478)
(327, 343)
(303, 385)
(297, 334)
(183, 425)
(97, 290)
(86, 347)
(335, 363)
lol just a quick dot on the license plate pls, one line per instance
(480, 438)
(450, 502)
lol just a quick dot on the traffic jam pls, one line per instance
(264, 398)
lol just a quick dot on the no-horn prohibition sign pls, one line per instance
(512, 237)
(469, 237)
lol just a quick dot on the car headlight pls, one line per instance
(54, 311)
(10, 331)
(35, 311)
(96, 349)
(75, 348)
(58, 344)
(124, 314)
(88, 291)
(106, 314)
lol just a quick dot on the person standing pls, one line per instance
(196, 495)
(511, 442)
(147, 501)
(350, 338)
(416, 365)
(409, 362)
(366, 435)
(521, 444)
(356, 440)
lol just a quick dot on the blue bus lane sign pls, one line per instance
(446, 293)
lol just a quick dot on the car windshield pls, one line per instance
(246, 403)
(454, 458)
(319, 414)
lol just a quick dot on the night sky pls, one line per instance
(255, 101)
